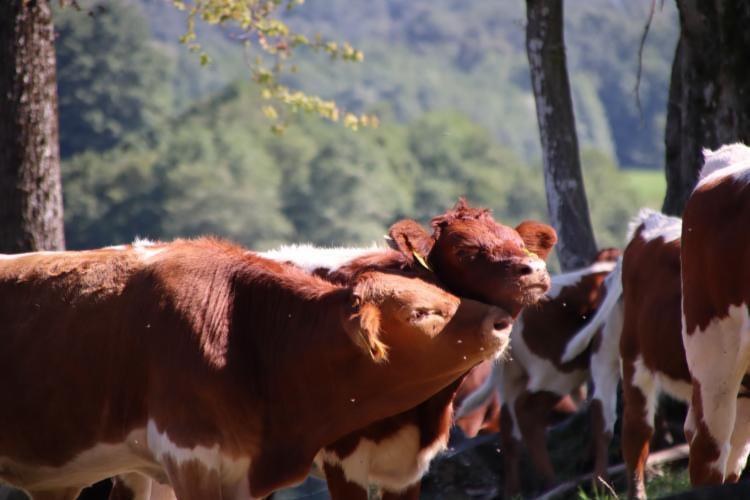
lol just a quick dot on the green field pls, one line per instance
(650, 185)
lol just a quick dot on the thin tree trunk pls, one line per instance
(566, 195)
(709, 100)
(30, 192)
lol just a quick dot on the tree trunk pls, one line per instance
(30, 192)
(566, 195)
(709, 100)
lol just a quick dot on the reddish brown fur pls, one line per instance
(216, 346)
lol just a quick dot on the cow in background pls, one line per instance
(643, 320)
(534, 379)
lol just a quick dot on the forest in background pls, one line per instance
(155, 145)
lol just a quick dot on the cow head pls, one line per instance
(410, 318)
(476, 257)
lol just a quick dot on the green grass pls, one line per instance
(667, 482)
(650, 185)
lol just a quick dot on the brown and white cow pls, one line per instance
(534, 380)
(207, 366)
(471, 255)
(716, 314)
(643, 318)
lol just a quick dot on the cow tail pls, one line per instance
(479, 396)
(583, 338)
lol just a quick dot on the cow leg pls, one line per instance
(639, 398)
(510, 442)
(718, 359)
(532, 410)
(740, 441)
(410, 493)
(339, 487)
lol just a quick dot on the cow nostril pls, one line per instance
(501, 325)
(525, 270)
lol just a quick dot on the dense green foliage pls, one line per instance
(218, 169)
(112, 78)
(428, 55)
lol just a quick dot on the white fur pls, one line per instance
(655, 225)
(12, 256)
(718, 357)
(98, 462)
(231, 470)
(578, 343)
(643, 379)
(729, 159)
(606, 367)
(561, 281)
(542, 373)
(394, 463)
(310, 258)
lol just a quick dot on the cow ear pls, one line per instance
(363, 327)
(411, 239)
(539, 238)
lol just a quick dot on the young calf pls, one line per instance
(535, 379)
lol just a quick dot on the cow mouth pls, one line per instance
(533, 292)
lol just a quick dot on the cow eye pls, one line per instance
(467, 253)
(421, 314)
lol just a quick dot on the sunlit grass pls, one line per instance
(650, 185)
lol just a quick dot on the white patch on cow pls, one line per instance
(91, 465)
(678, 389)
(729, 159)
(147, 249)
(395, 463)
(310, 258)
(643, 380)
(543, 374)
(231, 470)
(11, 256)
(655, 225)
(718, 357)
(561, 281)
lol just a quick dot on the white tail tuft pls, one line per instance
(583, 338)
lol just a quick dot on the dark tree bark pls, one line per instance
(566, 195)
(30, 192)
(709, 97)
